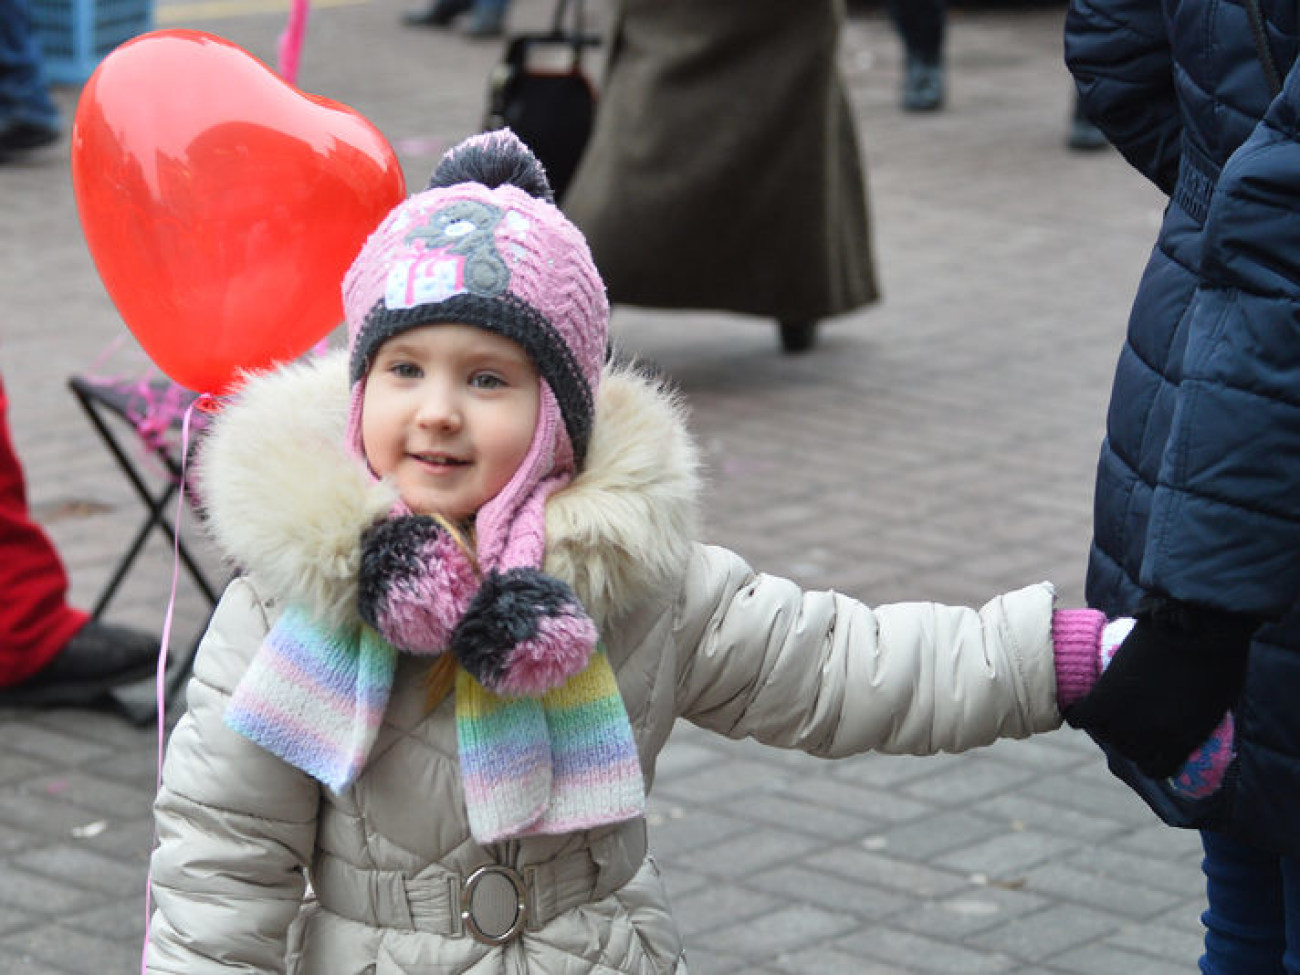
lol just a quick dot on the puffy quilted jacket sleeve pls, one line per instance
(236, 826)
(1119, 55)
(824, 673)
(1225, 516)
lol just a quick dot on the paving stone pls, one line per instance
(28, 891)
(1162, 940)
(827, 961)
(687, 829)
(91, 792)
(753, 849)
(724, 781)
(61, 946)
(810, 817)
(1127, 867)
(1131, 899)
(48, 744)
(1007, 856)
(79, 867)
(921, 954)
(924, 838)
(873, 804)
(48, 816)
(966, 913)
(866, 867)
(13, 919)
(781, 931)
(1031, 813)
(1049, 932)
(16, 962)
(702, 913)
(1104, 959)
(822, 889)
(119, 919)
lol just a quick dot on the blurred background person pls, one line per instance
(723, 170)
(920, 25)
(29, 119)
(487, 18)
(51, 654)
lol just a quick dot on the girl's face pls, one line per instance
(448, 414)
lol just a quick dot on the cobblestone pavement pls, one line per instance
(939, 446)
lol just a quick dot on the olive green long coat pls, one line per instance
(724, 170)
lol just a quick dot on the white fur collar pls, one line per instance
(286, 503)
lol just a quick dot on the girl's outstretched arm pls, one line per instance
(829, 675)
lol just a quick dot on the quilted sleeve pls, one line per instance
(1119, 55)
(1225, 519)
(824, 673)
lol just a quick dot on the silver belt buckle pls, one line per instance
(494, 904)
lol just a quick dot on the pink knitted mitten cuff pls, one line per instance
(1076, 636)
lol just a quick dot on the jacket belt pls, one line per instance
(434, 901)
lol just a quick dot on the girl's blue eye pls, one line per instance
(405, 370)
(486, 380)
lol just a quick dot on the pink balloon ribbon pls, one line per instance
(291, 41)
(202, 402)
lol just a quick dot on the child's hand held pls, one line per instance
(1170, 683)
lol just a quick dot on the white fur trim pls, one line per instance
(287, 503)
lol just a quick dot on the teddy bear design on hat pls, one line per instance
(482, 246)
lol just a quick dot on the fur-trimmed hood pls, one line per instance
(287, 504)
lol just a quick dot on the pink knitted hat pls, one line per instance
(485, 245)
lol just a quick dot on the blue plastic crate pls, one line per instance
(76, 34)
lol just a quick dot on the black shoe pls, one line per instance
(1085, 136)
(923, 85)
(97, 659)
(18, 136)
(797, 336)
(440, 13)
(486, 24)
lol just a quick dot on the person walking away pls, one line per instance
(691, 197)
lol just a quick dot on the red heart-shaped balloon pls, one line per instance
(221, 204)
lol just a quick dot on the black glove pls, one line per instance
(1171, 681)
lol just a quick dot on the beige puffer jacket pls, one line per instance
(692, 632)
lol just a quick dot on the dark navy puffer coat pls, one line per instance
(1198, 484)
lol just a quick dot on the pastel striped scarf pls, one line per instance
(565, 761)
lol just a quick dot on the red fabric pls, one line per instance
(35, 618)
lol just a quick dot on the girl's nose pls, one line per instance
(439, 409)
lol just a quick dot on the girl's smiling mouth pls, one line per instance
(439, 460)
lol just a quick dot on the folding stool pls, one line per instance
(133, 407)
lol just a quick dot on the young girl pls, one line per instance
(473, 606)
